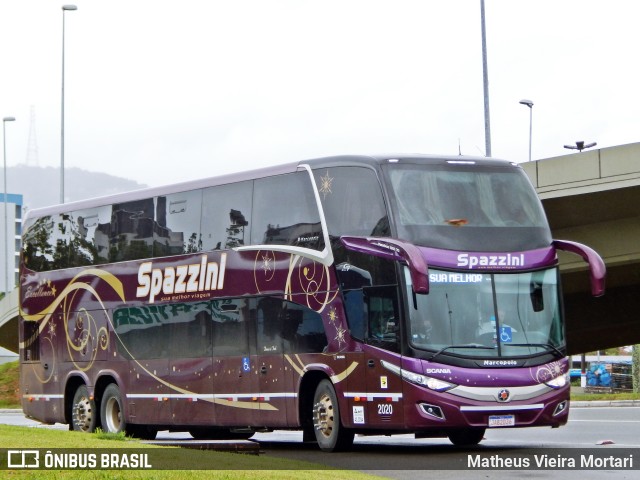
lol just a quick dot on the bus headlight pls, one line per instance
(418, 379)
(558, 382)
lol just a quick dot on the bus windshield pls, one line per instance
(494, 208)
(488, 314)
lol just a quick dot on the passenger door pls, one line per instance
(384, 387)
(271, 315)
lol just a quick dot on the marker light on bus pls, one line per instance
(418, 379)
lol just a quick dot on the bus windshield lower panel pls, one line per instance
(487, 315)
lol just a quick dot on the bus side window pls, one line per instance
(288, 327)
(177, 224)
(383, 320)
(352, 201)
(275, 222)
(31, 341)
(226, 212)
(190, 329)
(356, 315)
(231, 327)
(310, 336)
(131, 230)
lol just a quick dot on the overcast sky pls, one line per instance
(162, 91)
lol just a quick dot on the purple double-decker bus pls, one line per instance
(343, 295)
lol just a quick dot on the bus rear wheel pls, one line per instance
(330, 434)
(84, 415)
(467, 437)
(112, 411)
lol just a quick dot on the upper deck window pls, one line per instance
(467, 207)
(285, 212)
(352, 201)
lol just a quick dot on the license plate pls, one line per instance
(502, 420)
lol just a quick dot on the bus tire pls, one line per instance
(112, 410)
(84, 414)
(330, 434)
(467, 437)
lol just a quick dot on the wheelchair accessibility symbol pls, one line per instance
(505, 334)
(246, 364)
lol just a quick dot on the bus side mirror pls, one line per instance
(395, 250)
(597, 268)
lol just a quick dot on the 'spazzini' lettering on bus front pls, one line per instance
(191, 278)
(508, 260)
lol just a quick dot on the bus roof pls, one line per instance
(354, 160)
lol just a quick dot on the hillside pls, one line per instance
(9, 385)
(40, 186)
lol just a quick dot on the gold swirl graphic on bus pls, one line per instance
(264, 268)
(325, 185)
(85, 331)
(301, 368)
(348, 371)
(241, 404)
(314, 280)
(46, 313)
(33, 369)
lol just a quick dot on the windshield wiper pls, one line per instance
(543, 345)
(468, 345)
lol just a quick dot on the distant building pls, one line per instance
(13, 235)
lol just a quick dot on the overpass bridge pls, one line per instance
(9, 321)
(592, 197)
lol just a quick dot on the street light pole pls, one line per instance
(529, 104)
(64, 9)
(485, 83)
(6, 221)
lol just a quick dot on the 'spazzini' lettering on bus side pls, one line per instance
(190, 278)
(508, 260)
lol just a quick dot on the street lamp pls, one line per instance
(580, 145)
(64, 9)
(6, 221)
(529, 104)
(485, 83)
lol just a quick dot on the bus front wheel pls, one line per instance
(84, 415)
(330, 433)
(112, 411)
(468, 437)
